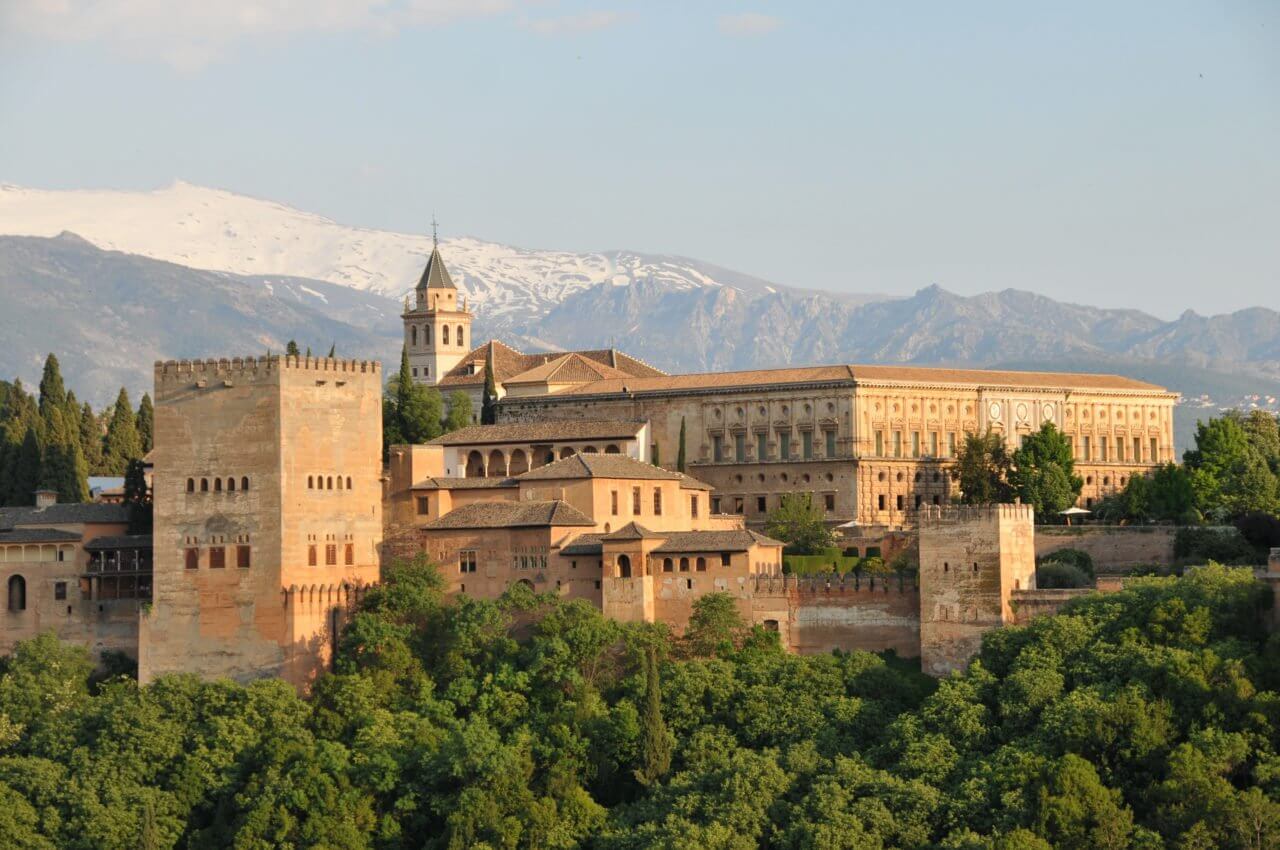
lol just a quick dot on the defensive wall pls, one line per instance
(1112, 547)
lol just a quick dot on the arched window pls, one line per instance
(311, 483)
(624, 566)
(667, 565)
(17, 593)
(413, 334)
(459, 334)
(497, 464)
(567, 451)
(204, 485)
(231, 485)
(217, 485)
(611, 449)
(589, 450)
(191, 485)
(339, 482)
(519, 462)
(244, 482)
(701, 565)
(348, 482)
(444, 335)
(684, 565)
(475, 464)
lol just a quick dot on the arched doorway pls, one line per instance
(17, 593)
(475, 465)
(519, 462)
(624, 566)
(497, 464)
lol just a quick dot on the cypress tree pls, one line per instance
(91, 439)
(138, 497)
(680, 452)
(332, 349)
(488, 410)
(146, 423)
(404, 385)
(53, 393)
(291, 350)
(25, 469)
(122, 444)
(655, 743)
(308, 354)
(62, 465)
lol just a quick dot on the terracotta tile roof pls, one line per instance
(632, 531)
(512, 515)
(444, 483)
(583, 545)
(88, 512)
(599, 466)
(688, 482)
(508, 363)
(572, 368)
(120, 541)
(542, 432)
(38, 535)
(738, 540)
(853, 374)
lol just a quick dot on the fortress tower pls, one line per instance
(437, 328)
(268, 513)
(971, 561)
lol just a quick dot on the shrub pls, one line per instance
(1055, 575)
(1077, 558)
(1261, 529)
(1193, 545)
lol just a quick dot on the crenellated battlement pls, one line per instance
(171, 371)
(845, 584)
(933, 516)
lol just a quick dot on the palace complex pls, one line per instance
(273, 507)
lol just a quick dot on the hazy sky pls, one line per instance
(1120, 154)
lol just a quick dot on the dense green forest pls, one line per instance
(1146, 718)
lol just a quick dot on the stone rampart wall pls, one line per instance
(1112, 547)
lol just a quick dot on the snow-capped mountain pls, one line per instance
(219, 230)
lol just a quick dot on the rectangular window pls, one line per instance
(467, 560)
(806, 445)
(879, 443)
(740, 447)
(933, 443)
(1102, 449)
(784, 445)
(1155, 454)
(423, 506)
(1088, 449)
(217, 557)
(715, 504)
(951, 444)
(693, 506)
(635, 501)
(897, 444)
(717, 448)
(1137, 450)
(242, 557)
(613, 502)
(330, 554)
(915, 444)
(830, 500)
(311, 555)
(192, 559)
(880, 501)
(900, 505)
(725, 559)
(657, 501)
(349, 556)
(762, 446)
(830, 437)
(60, 590)
(762, 504)
(737, 504)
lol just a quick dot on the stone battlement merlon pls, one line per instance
(845, 584)
(168, 370)
(941, 515)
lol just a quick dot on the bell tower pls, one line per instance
(437, 327)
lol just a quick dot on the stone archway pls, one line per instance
(567, 451)
(519, 462)
(497, 464)
(475, 465)
(624, 566)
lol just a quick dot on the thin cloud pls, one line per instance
(189, 34)
(574, 24)
(747, 23)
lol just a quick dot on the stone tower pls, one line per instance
(268, 513)
(437, 327)
(972, 558)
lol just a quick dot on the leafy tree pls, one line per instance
(1229, 475)
(488, 405)
(122, 443)
(715, 626)
(656, 742)
(1171, 496)
(1078, 812)
(1044, 472)
(460, 413)
(292, 350)
(680, 453)
(799, 523)
(982, 469)
(146, 420)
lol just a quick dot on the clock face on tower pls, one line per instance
(994, 410)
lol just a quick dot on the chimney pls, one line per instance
(45, 498)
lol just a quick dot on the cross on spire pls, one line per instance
(435, 238)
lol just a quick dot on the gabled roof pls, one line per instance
(512, 515)
(584, 465)
(542, 432)
(435, 275)
(62, 514)
(632, 531)
(572, 368)
(443, 483)
(508, 363)
(738, 540)
(583, 545)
